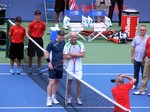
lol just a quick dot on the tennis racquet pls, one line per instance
(57, 66)
(74, 49)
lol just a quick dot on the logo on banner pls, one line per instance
(127, 27)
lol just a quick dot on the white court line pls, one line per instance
(22, 74)
(85, 74)
(98, 107)
(31, 107)
(83, 64)
(142, 107)
(10, 74)
(104, 74)
(106, 64)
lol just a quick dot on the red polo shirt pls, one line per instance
(17, 34)
(121, 95)
(36, 29)
(148, 48)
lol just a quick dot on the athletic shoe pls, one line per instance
(149, 94)
(12, 71)
(49, 102)
(134, 87)
(30, 71)
(139, 93)
(78, 101)
(18, 71)
(68, 101)
(65, 27)
(55, 101)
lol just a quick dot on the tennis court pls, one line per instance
(21, 94)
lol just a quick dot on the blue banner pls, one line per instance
(26, 8)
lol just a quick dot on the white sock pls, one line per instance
(48, 97)
(56, 25)
(53, 95)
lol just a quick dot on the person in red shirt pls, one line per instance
(16, 37)
(36, 30)
(121, 92)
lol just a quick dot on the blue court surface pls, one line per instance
(19, 93)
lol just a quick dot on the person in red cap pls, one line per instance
(36, 30)
(16, 37)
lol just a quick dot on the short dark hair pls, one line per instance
(61, 33)
(37, 12)
(18, 19)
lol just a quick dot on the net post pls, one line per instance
(7, 38)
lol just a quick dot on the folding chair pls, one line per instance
(77, 27)
(49, 8)
(98, 27)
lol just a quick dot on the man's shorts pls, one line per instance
(55, 74)
(77, 73)
(60, 5)
(16, 50)
(33, 49)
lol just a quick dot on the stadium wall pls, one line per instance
(26, 8)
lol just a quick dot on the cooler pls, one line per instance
(130, 21)
(53, 33)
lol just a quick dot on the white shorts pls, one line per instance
(77, 73)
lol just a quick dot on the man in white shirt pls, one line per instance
(137, 52)
(73, 52)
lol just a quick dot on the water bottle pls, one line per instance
(89, 38)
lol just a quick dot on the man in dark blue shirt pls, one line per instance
(54, 57)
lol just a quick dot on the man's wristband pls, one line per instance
(48, 60)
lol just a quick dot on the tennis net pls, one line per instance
(92, 99)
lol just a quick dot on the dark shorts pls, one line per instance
(16, 50)
(55, 74)
(33, 49)
(60, 5)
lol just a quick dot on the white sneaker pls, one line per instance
(49, 102)
(68, 101)
(54, 100)
(134, 87)
(149, 94)
(139, 93)
(65, 27)
(78, 101)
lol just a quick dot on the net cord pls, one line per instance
(100, 93)
(30, 38)
(106, 97)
